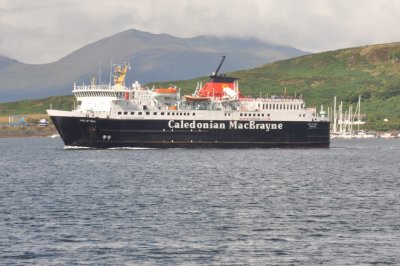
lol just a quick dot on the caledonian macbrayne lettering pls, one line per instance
(221, 125)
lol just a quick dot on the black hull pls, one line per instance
(141, 133)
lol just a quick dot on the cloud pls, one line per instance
(45, 30)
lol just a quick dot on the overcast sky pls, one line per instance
(41, 31)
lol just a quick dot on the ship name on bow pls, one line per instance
(220, 125)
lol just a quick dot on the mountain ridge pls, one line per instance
(153, 57)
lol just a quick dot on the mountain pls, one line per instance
(153, 57)
(5, 62)
(370, 71)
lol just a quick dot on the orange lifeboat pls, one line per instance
(196, 98)
(170, 90)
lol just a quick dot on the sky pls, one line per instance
(43, 31)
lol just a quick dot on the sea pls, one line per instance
(336, 206)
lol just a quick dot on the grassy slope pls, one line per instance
(372, 72)
(36, 106)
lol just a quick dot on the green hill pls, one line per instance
(371, 71)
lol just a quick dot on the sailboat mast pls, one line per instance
(334, 116)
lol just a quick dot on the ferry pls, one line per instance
(216, 115)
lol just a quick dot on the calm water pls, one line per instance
(337, 206)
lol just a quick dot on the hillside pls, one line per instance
(371, 71)
(152, 57)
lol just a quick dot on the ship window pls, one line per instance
(241, 114)
(139, 113)
(125, 113)
(162, 113)
(168, 113)
(119, 113)
(155, 113)
(254, 114)
(194, 114)
(132, 113)
(304, 115)
(258, 114)
(172, 113)
(268, 115)
(147, 113)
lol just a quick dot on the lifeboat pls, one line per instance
(196, 98)
(166, 91)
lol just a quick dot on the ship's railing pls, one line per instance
(100, 87)
(274, 100)
(92, 87)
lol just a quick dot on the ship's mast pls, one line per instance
(335, 118)
(219, 66)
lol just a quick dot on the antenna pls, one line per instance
(219, 66)
(111, 69)
(99, 72)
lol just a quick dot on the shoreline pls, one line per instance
(27, 131)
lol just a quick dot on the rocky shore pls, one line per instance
(26, 131)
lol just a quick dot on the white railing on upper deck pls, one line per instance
(91, 87)
(274, 100)
(94, 87)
